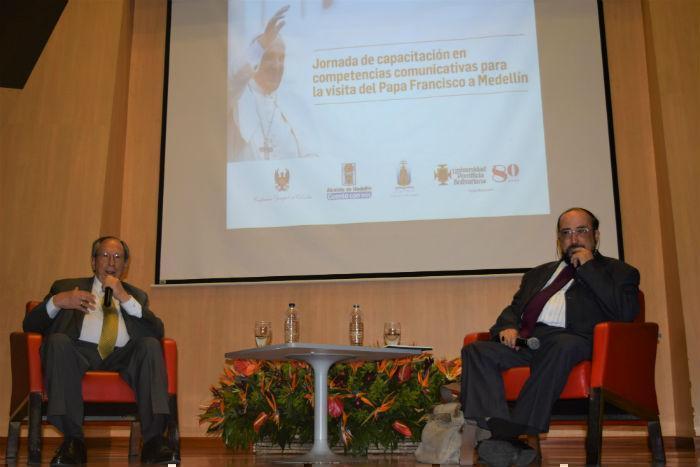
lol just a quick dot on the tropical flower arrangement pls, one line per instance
(369, 403)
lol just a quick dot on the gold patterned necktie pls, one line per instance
(108, 337)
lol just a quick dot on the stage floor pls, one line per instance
(197, 452)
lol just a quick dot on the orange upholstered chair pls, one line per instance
(107, 396)
(617, 383)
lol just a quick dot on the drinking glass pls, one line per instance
(263, 333)
(392, 333)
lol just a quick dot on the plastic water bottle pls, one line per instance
(357, 329)
(291, 325)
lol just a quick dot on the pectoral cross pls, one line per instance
(266, 148)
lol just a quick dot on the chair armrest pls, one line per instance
(25, 361)
(624, 361)
(476, 336)
(170, 358)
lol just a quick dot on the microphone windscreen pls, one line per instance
(107, 302)
(531, 343)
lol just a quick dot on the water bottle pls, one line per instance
(291, 325)
(357, 329)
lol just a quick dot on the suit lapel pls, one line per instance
(541, 280)
(84, 284)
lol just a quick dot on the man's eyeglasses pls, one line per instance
(564, 233)
(106, 256)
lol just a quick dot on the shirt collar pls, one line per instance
(97, 288)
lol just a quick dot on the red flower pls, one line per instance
(404, 373)
(246, 367)
(402, 429)
(335, 406)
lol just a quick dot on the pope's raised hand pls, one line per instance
(273, 27)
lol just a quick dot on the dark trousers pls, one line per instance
(140, 363)
(482, 390)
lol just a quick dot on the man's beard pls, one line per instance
(569, 251)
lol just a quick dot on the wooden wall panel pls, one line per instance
(673, 38)
(637, 176)
(55, 135)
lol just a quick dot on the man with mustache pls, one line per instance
(559, 303)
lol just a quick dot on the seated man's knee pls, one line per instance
(565, 344)
(481, 348)
(469, 350)
(58, 341)
(149, 345)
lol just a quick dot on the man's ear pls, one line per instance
(597, 238)
(559, 252)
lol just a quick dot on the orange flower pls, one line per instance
(298, 364)
(386, 405)
(243, 395)
(292, 379)
(356, 365)
(345, 433)
(227, 378)
(361, 396)
(274, 413)
(274, 365)
(424, 378)
(387, 366)
(214, 422)
(404, 361)
(451, 369)
(402, 429)
(260, 421)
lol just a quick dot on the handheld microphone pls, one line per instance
(532, 343)
(108, 298)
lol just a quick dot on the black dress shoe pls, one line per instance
(504, 453)
(157, 451)
(72, 451)
(505, 429)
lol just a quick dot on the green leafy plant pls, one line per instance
(369, 403)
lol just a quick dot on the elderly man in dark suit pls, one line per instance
(559, 303)
(101, 323)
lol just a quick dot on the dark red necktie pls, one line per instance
(536, 304)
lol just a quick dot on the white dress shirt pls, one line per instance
(554, 311)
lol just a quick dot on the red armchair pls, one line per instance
(107, 396)
(621, 373)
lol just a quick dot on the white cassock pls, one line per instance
(264, 127)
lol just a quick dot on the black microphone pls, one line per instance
(532, 343)
(108, 299)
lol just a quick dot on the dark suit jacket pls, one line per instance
(70, 322)
(604, 289)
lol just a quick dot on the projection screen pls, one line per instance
(322, 139)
